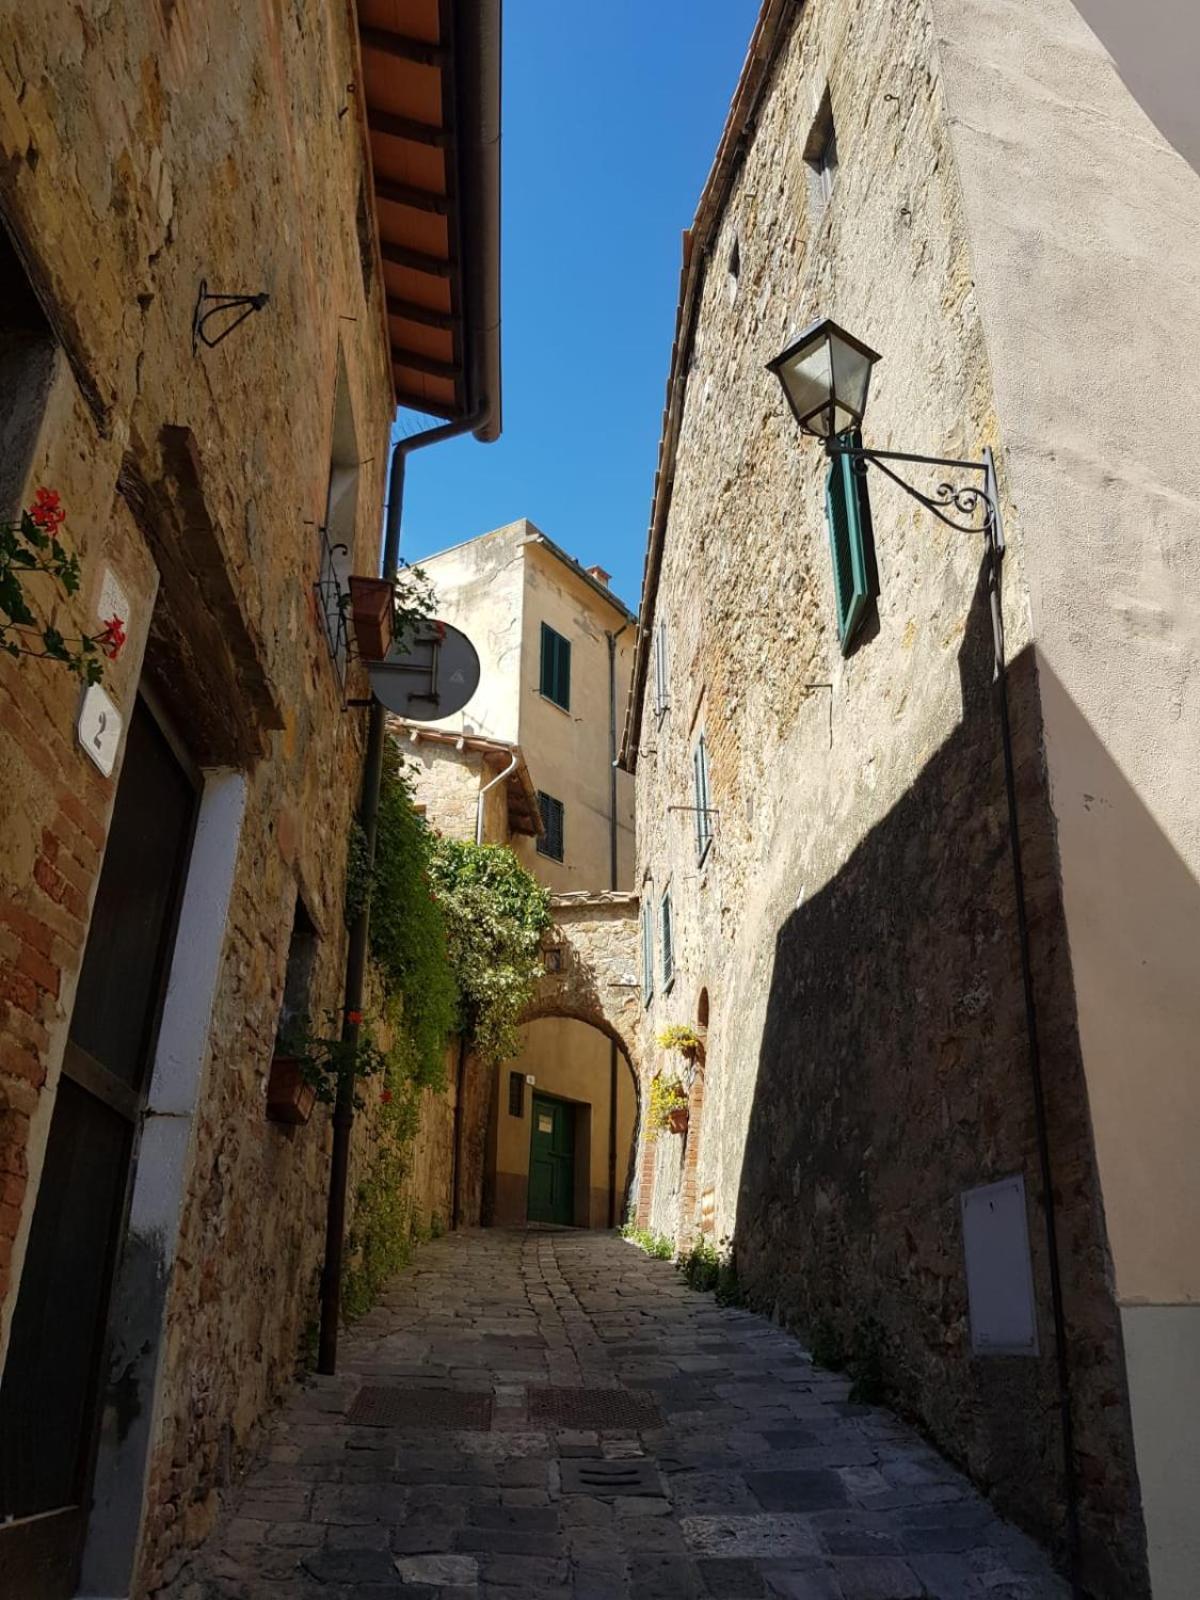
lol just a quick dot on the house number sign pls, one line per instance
(99, 728)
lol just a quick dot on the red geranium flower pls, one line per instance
(112, 640)
(354, 1017)
(385, 1095)
(47, 511)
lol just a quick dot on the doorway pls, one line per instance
(49, 1401)
(552, 1161)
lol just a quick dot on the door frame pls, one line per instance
(32, 1548)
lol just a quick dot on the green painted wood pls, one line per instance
(552, 1161)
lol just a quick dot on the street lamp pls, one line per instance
(825, 375)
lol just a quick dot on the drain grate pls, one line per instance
(626, 1409)
(603, 1479)
(420, 1408)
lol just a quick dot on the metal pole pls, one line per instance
(356, 952)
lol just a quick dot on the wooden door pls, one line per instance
(552, 1161)
(49, 1400)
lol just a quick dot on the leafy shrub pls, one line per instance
(495, 914)
(654, 1244)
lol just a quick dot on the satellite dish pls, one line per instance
(433, 678)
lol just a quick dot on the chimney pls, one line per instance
(600, 575)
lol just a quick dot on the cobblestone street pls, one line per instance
(561, 1415)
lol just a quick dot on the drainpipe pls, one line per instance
(507, 773)
(613, 875)
(356, 953)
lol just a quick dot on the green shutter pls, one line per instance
(647, 953)
(851, 543)
(556, 667)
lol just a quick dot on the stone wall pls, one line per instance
(853, 922)
(146, 149)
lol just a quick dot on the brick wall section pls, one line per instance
(853, 921)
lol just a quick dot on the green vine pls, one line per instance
(495, 913)
(408, 928)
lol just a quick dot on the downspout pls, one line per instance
(356, 953)
(507, 773)
(613, 875)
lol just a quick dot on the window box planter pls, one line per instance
(371, 603)
(677, 1119)
(289, 1097)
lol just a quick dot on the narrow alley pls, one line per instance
(556, 1413)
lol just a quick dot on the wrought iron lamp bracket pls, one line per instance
(977, 503)
(244, 304)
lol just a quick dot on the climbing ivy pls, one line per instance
(495, 914)
(408, 928)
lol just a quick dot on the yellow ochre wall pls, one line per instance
(568, 1059)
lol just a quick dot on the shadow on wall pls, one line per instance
(893, 1074)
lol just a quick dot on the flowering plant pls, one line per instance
(667, 1094)
(31, 545)
(324, 1060)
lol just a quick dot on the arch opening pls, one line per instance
(563, 1129)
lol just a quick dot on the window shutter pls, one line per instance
(550, 843)
(660, 669)
(668, 948)
(647, 953)
(851, 542)
(564, 673)
(700, 787)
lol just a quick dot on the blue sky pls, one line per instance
(612, 113)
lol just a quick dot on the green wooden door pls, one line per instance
(552, 1162)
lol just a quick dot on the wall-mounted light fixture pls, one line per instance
(825, 375)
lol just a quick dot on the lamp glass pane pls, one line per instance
(851, 375)
(808, 377)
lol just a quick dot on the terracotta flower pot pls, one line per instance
(371, 602)
(289, 1098)
(677, 1119)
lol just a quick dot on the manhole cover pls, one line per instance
(603, 1479)
(420, 1408)
(595, 1408)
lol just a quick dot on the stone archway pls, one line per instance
(591, 957)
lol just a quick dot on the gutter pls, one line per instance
(512, 766)
(771, 33)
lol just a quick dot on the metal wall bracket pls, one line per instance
(243, 304)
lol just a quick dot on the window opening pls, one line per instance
(516, 1094)
(551, 842)
(666, 934)
(27, 351)
(301, 961)
(821, 153)
(556, 667)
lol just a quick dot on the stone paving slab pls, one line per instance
(752, 1475)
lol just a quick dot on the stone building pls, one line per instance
(556, 649)
(824, 852)
(173, 845)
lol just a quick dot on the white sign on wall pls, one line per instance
(112, 601)
(99, 728)
(999, 1270)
